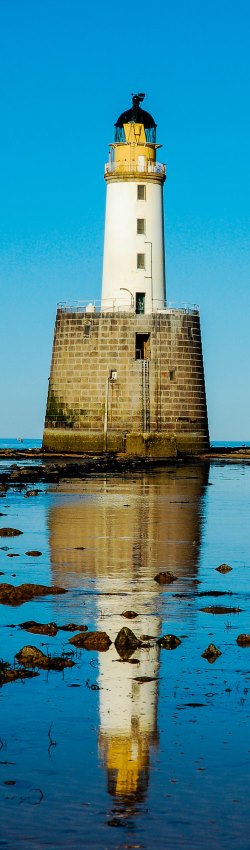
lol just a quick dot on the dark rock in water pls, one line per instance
(220, 609)
(39, 628)
(143, 679)
(130, 615)
(8, 674)
(211, 653)
(13, 555)
(31, 493)
(165, 578)
(9, 532)
(10, 595)
(92, 640)
(243, 640)
(34, 552)
(126, 642)
(33, 657)
(224, 568)
(72, 627)
(168, 642)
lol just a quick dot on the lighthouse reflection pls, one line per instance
(111, 536)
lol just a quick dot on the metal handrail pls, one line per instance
(119, 305)
(135, 168)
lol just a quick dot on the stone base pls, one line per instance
(136, 444)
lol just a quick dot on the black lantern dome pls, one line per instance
(136, 115)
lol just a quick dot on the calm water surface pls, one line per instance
(134, 764)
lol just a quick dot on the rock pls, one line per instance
(72, 627)
(92, 640)
(33, 657)
(224, 568)
(168, 642)
(34, 552)
(8, 674)
(12, 555)
(165, 578)
(126, 642)
(10, 595)
(211, 653)
(129, 614)
(31, 493)
(39, 628)
(221, 609)
(243, 640)
(9, 532)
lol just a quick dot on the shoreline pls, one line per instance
(53, 467)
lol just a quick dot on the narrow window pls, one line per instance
(190, 333)
(140, 302)
(141, 192)
(171, 374)
(141, 261)
(142, 346)
(141, 225)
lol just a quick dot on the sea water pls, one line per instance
(153, 751)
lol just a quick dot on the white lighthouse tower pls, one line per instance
(133, 261)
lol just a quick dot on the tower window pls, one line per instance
(140, 302)
(141, 261)
(142, 346)
(171, 374)
(141, 192)
(141, 225)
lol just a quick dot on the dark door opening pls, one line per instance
(142, 346)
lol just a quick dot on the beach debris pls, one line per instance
(11, 595)
(168, 642)
(165, 578)
(30, 656)
(126, 642)
(10, 532)
(243, 640)
(92, 640)
(220, 609)
(130, 615)
(34, 553)
(223, 568)
(73, 627)
(39, 628)
(211, 653)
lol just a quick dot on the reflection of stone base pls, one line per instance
(151, 445)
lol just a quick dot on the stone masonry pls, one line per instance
(127, 382)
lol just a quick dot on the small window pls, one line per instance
(171, 374)
(140, 302)
(142, 346)
(190, 333)
(141, 261)
(141, 225)
(141, 192)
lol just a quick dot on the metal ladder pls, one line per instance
(145, 396)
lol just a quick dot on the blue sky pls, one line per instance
(67, 69)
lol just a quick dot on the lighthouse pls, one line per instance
(133, 261)
(127, 373)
